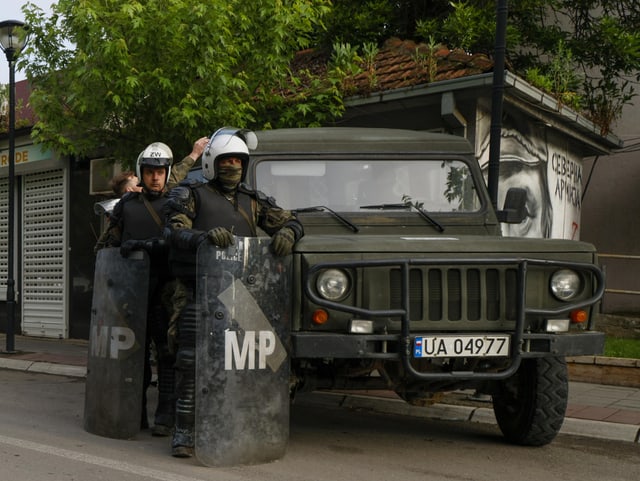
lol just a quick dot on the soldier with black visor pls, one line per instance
(214, 211)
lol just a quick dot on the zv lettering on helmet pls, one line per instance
(240, 351)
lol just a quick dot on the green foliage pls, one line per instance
(369, 52)
(539, 79)
(603, 40)
(558, 77)
(4, 107)
(344, 65)
(307, 100)
(116, 75)
(622, 347)
(469, 25)
(356, 23)
(426, 60)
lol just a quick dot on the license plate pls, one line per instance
(461, 346)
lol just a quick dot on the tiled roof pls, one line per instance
(24, 112)
(25, 117)
(402, 63)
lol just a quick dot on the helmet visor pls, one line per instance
(155, 162)
(248, 136)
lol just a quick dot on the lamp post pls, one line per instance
(12, 40)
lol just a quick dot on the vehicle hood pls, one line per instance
(425, 244)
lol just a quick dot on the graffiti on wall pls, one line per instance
(538, 160)
(568, 174)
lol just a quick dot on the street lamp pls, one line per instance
(13, 38)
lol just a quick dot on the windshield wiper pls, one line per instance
(423, 213)
(322, 208)
(386, 206)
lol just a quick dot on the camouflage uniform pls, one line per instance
(179, 171)
(193, 210)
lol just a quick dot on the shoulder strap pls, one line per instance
(152, 211)
(245, 215)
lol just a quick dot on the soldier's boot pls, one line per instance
(183, 435)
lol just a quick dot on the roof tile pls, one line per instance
(402, 63)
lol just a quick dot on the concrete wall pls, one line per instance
(610, 210)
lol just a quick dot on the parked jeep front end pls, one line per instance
(404, 282)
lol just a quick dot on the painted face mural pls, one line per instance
(537, 160)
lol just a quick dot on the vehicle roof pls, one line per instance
(358, 140)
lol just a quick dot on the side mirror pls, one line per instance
(515, 206)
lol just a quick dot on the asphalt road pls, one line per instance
(42, 439)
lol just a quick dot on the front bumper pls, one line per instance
(373, 346)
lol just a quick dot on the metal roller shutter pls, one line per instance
(4, 222)
(44, 255)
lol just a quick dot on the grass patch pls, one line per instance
(622, 347)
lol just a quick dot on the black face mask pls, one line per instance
(229, 177)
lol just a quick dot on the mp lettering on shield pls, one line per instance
(244, 357)
(255, 340)
(110, 341)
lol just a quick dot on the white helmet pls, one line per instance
(156, 154)
(225, 142)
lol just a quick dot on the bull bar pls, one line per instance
(552, 343)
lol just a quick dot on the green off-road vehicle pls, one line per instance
(404, 282)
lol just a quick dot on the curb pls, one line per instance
(43, 367)
(446, 412)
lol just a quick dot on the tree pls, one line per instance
(591, 44)
(112, 76)
(118, 74)
(586, 52)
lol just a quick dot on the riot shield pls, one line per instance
(115, 358)
(242, 365)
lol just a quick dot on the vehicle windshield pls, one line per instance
(361, 185)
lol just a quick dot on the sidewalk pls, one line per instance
(594, 410)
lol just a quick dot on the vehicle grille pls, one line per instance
(457, 294)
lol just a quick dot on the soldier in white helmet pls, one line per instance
(137, 222)
(215, 211)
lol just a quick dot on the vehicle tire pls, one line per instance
(530, 405)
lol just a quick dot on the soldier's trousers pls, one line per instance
(185, 372)
(157, 325)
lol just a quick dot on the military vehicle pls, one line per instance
(404, 282)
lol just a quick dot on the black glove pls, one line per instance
(130, 245)
(282, 242)
(221, 237)
(155, 246)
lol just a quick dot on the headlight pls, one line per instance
(565, 284)
(332, 284)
